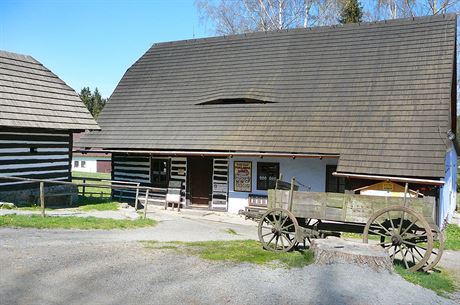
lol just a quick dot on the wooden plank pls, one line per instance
(346, 207)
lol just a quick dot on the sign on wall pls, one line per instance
(242, 176)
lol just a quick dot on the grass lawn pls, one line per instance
(71, 222)
(440, 282)
(240, 251)
(453, 237)
(105, 192)
(76, 174)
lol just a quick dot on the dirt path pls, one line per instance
(128, 273)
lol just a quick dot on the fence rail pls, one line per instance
(114, 184)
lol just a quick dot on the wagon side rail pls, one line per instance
(345, 207)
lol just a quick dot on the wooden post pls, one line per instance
(42, 198)
(291, 194)
(146, 202)
(83, 187)
(137, 196)
(406, 187)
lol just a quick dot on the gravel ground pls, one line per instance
(111, 267)
(128, 273)
(173, 226)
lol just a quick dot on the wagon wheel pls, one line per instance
(278, 230)
(404, 233)
(436, 253)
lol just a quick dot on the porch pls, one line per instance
(222, 183)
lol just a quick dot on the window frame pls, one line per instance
(156, 172)
(267, 182)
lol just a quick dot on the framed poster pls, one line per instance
(242, 178)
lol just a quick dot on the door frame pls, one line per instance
(190, 181)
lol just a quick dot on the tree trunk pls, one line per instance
(339, 251)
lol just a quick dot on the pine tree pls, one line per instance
(352, 12)
(93, 101)
(87, 98)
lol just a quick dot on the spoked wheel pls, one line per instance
(436, 253)
(278, 230)
(404, 233)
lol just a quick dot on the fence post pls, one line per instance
(83, 187)
(146, 202)
(137, 196)
(42, 197)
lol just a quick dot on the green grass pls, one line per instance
(71, 222)
(440, 282)
(104, 206)
(238, 251)
(92, 175)
(77, 178)
(359, 236)
(453, 237)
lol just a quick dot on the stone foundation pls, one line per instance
(31, 196)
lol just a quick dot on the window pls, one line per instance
(267, 173)
(75, 163)
(230, 101)
(83, 164)
(159, 172)
(334, 184)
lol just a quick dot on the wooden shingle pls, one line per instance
(32, 96)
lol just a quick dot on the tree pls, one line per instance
(243, 16)
(391, 9)
(93, 101)
(352, 12)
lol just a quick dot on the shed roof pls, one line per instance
(32, 96)
(378, 94)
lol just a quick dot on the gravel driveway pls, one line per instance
(110, 267)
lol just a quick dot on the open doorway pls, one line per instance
(200, 180)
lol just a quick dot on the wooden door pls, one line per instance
(200, 179)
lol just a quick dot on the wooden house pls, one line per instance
(336, 107)
(39, 113)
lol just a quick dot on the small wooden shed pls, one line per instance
(38, 115)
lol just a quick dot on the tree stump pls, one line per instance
(335, 251)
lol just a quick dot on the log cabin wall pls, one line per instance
(132, 169)
(33, 153)
(37, 154)
(138, 168)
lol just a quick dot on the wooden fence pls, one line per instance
(109, 184)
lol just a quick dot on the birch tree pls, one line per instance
(391, 9)
(242, 16)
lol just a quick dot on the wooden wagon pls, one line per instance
(405, 227)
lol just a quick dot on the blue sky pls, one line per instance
(93, 42)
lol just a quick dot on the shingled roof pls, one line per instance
(32, 96)
(378, 94)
